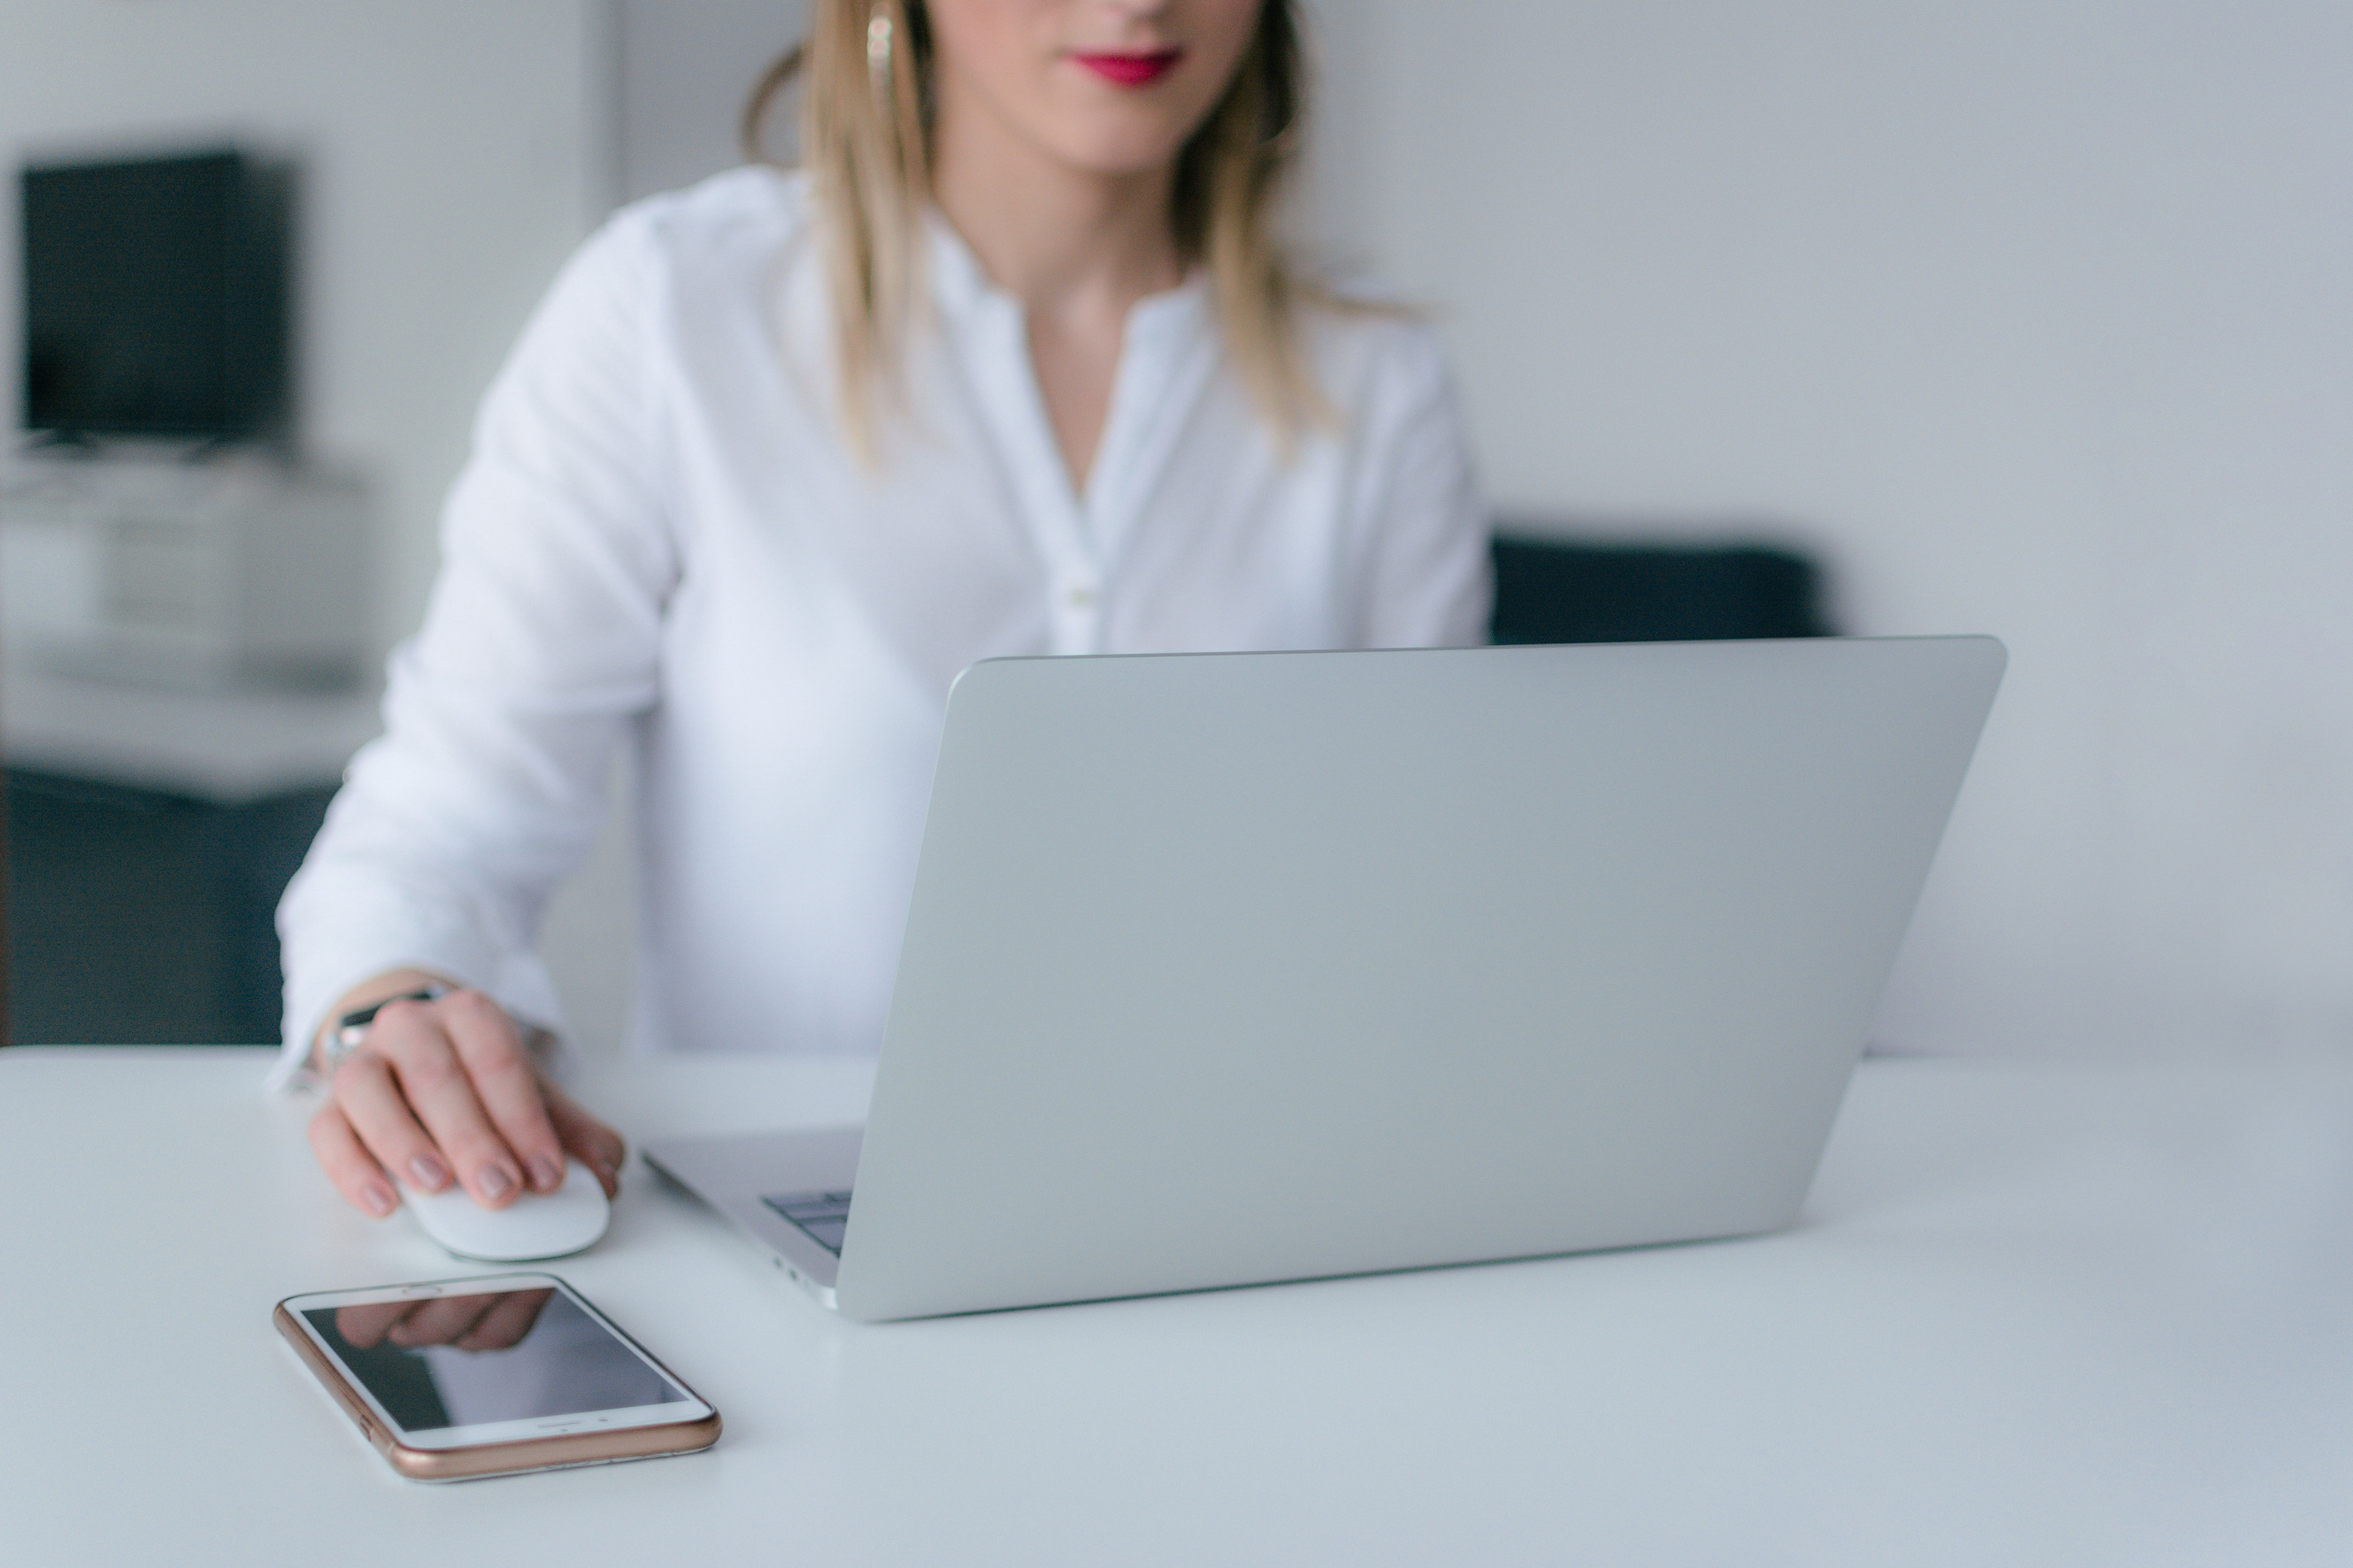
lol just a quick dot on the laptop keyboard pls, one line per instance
(821, 1216)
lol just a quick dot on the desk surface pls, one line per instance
(2034, 1314)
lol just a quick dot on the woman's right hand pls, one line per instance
(447, 1089)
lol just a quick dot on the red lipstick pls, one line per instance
(1132, 70)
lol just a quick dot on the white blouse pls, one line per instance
(662, 542)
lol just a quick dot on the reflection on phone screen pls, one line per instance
(467, 1361)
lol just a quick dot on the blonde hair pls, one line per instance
(865, 139)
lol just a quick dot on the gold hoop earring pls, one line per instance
(878, 49)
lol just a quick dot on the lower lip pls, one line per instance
(1130, 71)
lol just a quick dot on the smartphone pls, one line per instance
(452, 1379)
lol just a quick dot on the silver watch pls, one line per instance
(353, 1028)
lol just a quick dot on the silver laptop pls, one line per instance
(1230, 969)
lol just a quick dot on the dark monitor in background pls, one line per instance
(156, 298)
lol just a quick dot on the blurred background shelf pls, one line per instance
(149, 835)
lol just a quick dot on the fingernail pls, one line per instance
(377, 1199)
(494, 1181)
(545, 1173)
(430, 1173)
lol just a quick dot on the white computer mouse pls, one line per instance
(536, 1225)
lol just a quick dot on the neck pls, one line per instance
(1061, 240)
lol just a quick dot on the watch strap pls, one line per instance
(352, 1029)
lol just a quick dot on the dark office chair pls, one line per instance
(1561, 590)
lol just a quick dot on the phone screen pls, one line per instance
(474, 1360)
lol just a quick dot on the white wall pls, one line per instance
(2039, 320)
(684, 70)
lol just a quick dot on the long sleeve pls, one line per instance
(541, 642)
(1424, 562)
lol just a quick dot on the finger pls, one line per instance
(442, 1322)
(507, 1321)
(348, 1164)
(363, 1327)
(600, 1148)
(506, 1082)
(369, 1095)
(442, 1093)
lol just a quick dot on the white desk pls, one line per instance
(2037, 1314)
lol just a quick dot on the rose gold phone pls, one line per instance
(457, 1378)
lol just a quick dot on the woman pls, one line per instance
(1013, 367)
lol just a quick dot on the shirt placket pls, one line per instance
(1050, 510)
(1162, 369)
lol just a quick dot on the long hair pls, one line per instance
(865, 139)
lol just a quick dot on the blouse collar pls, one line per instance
(962, 291)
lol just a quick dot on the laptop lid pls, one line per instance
(1224, 969)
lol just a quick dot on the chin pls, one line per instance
(1120, 152)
